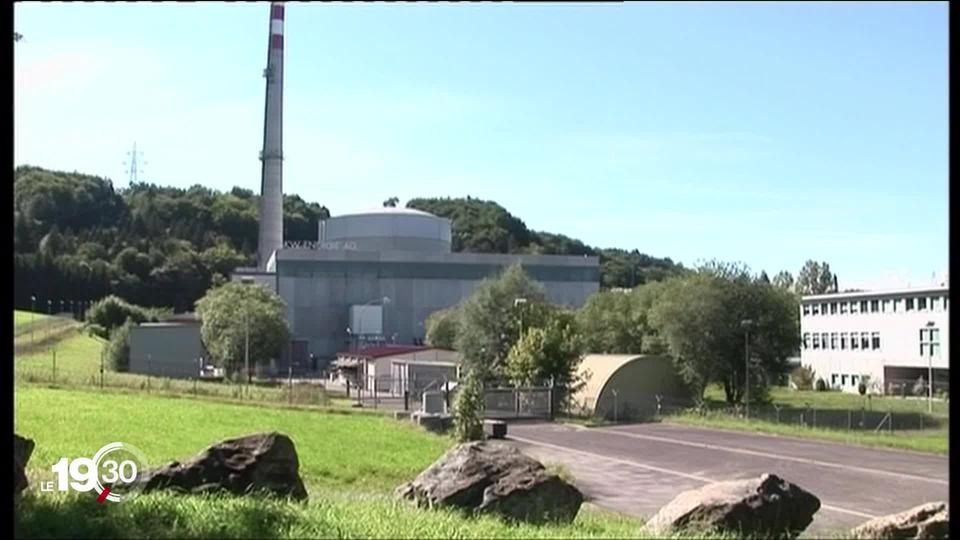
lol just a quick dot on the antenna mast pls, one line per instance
(134, 164)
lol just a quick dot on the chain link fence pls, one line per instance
(291, 391)
(879, 416)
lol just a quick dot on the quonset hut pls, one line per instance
(374, 277)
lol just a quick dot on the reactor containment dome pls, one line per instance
(387, 229)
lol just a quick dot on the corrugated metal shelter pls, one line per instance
(627, 382)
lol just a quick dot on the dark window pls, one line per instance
(864, 341)
(844, 307)
(833, 341)
(854, 342)
(816, 341)
(833, 308)
(843, 340)
(921, 304)
(909, 304)
(806, 340)
(863, 306)
(874, 306)
(806, 309)
(876, 341)
(815, 309)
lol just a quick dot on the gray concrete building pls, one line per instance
(166, 349)
(374, 277)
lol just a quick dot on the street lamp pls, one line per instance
(33, 314)
(745, 324)
(517, 302)
(930, 325)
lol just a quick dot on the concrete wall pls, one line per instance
(166, 349)
(319, 287)
(898, 329)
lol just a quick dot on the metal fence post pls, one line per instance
(777, 408)
(348, 388)
(54, 366)
(406, 400)
(814, 417)
(446, 393)
(101, 370)
(290, 378)
(375, 395)
(849, 418)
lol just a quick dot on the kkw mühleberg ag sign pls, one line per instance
(115, 473)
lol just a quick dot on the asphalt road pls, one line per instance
(638, 468)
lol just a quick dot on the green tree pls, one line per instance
(442, 328)
(112, 312)
(784, 280)
(468, 408)
(118, 348)
(391, 202)
(701, 317)
(227, 312)
(490, 318)
(549, 353)
(609, 325)
(815, 278)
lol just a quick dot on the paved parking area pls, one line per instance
(639, 468)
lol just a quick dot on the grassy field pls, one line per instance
(336, 450)
(78, 358)
(934, 441)
(349, 463)
(799, 399)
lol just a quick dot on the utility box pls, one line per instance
(433, 403)
(366, 320)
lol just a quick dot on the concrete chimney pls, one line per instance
(271, 180)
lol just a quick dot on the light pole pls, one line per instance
(930, 326)
(746, 323)
(33, 314)
(517, 302)
(246, 336)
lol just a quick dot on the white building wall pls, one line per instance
(899, 332)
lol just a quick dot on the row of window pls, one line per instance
(887, 305)
(866, 341)
(842, 379)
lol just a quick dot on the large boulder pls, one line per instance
(768, 506)
(22, 448)
(495, 478)
(931, 520)
(265, 462)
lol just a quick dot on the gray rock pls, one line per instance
(927, 521)
(22, 449)
(767, 506)
(494, 478)
(265, 462)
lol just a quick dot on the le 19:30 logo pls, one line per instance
(114, 472)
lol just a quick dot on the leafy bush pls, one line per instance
(920, 387)
(95, 330)
(803, 378)
(821, 385)
(112, 311)
(864, 384)
(118, 349)
(468, 408)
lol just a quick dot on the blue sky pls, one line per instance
(766, 133)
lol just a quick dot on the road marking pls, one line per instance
(773, 456)
(696, 477)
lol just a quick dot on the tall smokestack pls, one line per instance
(271, 181)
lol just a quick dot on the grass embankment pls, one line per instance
(834, 410)
(822, 416)
(76, 363)
(350, 464)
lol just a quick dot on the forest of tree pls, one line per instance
(78, 239)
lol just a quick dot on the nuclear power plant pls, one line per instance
(374, 277)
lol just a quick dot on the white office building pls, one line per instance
(894, 337)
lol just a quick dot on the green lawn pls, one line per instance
(349, 463)
(930, 440)
(336, 450)
(26, 317)
(785, 397)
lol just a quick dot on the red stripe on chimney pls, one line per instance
(276, 41)
(276, 11)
